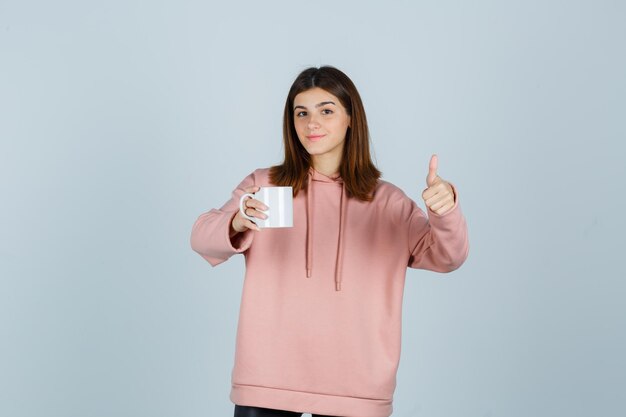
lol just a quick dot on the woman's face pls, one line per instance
(321, 122)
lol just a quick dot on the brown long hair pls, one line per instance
(357, 170)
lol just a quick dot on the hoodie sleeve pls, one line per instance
(437, 242)
(210, 234)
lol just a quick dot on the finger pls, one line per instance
(440, 203)
(251, 202)
(255, 213)
(251, 225)
(444, 209)
(431, 191)
(437, 193)
(432, 170)
(434, 205)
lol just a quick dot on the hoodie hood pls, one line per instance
(315, 176)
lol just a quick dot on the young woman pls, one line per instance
(320, 319)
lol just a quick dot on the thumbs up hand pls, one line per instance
(439, 196)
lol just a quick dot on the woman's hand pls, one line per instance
(251, 208)
(439, 196)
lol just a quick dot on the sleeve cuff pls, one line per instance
(241, 241)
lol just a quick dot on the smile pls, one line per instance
(315, 138)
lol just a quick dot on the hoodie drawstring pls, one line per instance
(342, 228)
(309, 233)
(309, 226)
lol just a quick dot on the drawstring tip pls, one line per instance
(337, 286)
(308, 273)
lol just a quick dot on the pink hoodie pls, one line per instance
(320, 319)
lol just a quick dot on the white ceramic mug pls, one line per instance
(280, 203)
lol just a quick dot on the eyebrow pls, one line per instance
(317, 105)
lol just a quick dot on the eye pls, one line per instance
(327, 111)
(301, 114)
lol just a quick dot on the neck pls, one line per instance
(328, 167)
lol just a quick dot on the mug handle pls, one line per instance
(242, 210)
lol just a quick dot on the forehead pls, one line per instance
(314, 96)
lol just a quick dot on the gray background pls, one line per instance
(122, 121)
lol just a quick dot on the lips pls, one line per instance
(315, 138)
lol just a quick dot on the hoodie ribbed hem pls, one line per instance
(306, 402)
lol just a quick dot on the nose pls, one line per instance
(312, 124)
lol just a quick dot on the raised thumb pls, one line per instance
(432, 171)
